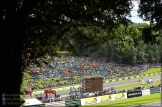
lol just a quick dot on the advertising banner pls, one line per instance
(154, 90)
(105, 98)
(91, 100)
(145, 92)
(73, 103)
(119, 96)
(134, 94)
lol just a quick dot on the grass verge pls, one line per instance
(152, 70)
(131, 79)
(127, 87)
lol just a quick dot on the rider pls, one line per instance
(148, 80)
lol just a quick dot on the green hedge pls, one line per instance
(117, 79)
(110, 80)
(129, 77)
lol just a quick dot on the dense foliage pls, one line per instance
(122, 44)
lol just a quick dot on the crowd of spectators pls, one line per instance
(66, 68)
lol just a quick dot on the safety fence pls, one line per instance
(106, 98)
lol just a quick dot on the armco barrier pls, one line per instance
(134, 94)
(154, 90)
(73, 103)
(145, 92)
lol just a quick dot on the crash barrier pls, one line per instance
(119, 96)
(73, 103)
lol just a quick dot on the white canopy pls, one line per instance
(32, 101)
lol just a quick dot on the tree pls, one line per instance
(151, 11)
(13, 30)
(141, 55)
(21, 20)
(129, 55)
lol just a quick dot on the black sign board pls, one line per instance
(134, 94)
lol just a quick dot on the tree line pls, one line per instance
(123, 44)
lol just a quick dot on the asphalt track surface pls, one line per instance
(122, 83)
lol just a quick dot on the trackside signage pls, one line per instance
(134, 94)
(145, 92)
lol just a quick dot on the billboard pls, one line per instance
(91, 100)
(145, 92)
(134, 94)
(119, 96)
(154, 90)
(105, 98)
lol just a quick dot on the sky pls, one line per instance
(134, 14)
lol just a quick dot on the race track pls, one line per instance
(62, 103)
(117, 84)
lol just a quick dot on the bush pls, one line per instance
(110, 80)
(117, 79)
(26, 75)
